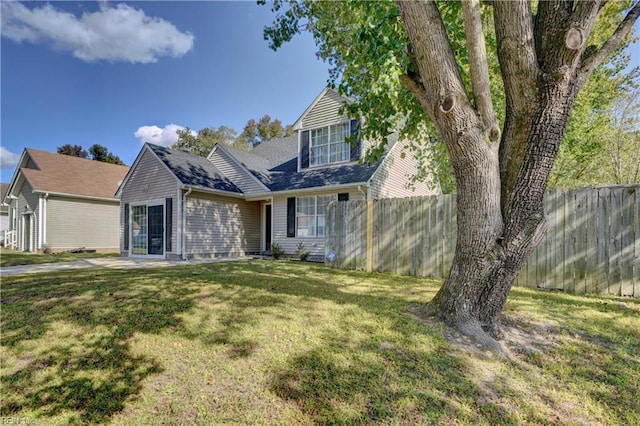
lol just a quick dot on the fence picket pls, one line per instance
(592, 244)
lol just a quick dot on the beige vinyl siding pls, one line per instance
(324, 112)
(393, 177)
(73, 223)
(230, 168)
(150, 180)
(221, 226)
(315, 246)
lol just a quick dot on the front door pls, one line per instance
(27, 232)
(156, 230)
(267, 227)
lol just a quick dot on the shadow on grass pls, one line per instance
(368, 362)
(93, 373)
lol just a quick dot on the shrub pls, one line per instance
(302, 252)
(276, 251)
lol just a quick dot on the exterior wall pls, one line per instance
(221, 226)
(393, 177)
(325, 112)
(26, 200)
(241, 178)
(315, 246)
(150, 181)
(4, 221)
(74, 223)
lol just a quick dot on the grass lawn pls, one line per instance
(14, 258)
(265, 342)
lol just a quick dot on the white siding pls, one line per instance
(221, 226)
(230, 168)
(315, 246)
(150, 180)
(393, 177)
(324, 112)
(73, 223)
(27, 200)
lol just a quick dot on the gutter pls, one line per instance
(214, 191)
(263, 195)
(85, 197)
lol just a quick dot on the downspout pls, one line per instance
(184, 223)
(43, 215)
(365, 195)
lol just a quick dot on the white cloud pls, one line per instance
(8, 159)
(119, 33)
(165, 136)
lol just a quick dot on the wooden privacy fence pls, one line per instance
(592, 243)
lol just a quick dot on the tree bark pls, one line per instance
(500, 185)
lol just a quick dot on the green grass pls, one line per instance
(293, 343)
(15, 258)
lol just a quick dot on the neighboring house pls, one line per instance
(4, 212)
(233, 203)
(59, 202)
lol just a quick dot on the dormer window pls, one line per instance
(329, 144)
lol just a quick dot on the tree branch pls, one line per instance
(516, 52)
(434, 56)
(417, 89)
(478, 62)
(593, 59)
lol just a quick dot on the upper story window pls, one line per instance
(329, 144)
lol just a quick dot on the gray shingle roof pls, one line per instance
(194, 170)
(275, 164)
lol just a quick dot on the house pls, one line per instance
(4, 210)
(233, 203)
(59, 202)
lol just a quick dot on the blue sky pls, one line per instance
(196, 64)
(118, 74)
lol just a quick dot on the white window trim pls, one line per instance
(329, 143)
(148, 204)
(315, 216)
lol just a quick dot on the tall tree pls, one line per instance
(101, 153)
(72, 150)
(619, 162)
(96, 152)
(202, 143)
(256, 132)
(410, 59)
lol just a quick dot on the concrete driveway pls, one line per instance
(107, 262)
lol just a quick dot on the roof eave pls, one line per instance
(260, 196)
(67, 195)
(214, 191)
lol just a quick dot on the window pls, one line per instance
(310, 215)
(139, 229)
(328, 144)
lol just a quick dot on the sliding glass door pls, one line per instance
(147, 230)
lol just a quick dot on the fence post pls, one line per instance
(370, 236)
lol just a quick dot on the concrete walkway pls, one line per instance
(108, 262)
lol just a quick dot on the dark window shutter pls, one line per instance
(291, 217)
(343, 197)
(168, 227)
(304, 150)
(126, 226)
(355, 147)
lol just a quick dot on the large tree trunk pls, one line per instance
(501, 179)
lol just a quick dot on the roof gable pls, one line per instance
(324, 110)
(193, 170)
(64, 174)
